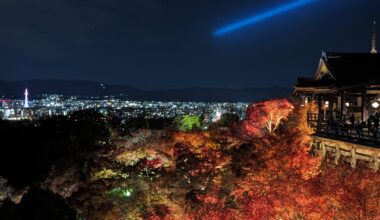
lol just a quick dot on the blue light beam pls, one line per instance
(256, 18)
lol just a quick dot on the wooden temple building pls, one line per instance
(346, 90)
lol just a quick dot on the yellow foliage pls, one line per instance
(198, 142)
(107, 174)
(131, 157)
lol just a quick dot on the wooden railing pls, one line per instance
(349, 134)
(345, 151)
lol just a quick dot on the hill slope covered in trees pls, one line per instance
(260, 168)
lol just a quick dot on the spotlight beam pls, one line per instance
(259, 17)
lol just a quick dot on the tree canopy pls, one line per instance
(188, 122)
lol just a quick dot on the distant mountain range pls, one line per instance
(90, 88)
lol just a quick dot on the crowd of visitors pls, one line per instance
(350, 126)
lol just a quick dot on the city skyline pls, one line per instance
(45, 106)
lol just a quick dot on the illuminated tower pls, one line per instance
(373, 50)
(26, 103)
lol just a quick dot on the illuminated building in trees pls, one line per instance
(346, 91)
(348, 83)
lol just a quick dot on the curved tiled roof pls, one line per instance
(353, 68)
(344, 70)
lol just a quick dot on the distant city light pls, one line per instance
(55, 104)
(347, 104)
(26, 102)
(218, 115)
(259, 17)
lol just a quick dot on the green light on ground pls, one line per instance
(120, 193)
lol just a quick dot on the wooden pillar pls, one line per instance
(339, 103)
(312, 147)
(364, 104)
(342, 103)
(331, 105)
(353, 157)
(320, 113)
(376, 162)
(337, 154)
(319, 103)
(323, 151)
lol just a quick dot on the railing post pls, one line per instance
(337, 154)
(376, 162)
(323, 151)
(353, 157)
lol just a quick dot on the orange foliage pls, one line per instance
(266, 115)
(261, 177)
(195, 139)
(288, 183)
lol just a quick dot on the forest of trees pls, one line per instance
(85, 166)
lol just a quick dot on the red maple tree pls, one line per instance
(266, 116)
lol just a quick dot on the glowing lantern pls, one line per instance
(306, 100)
(375, 104)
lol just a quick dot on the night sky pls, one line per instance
(170, 43)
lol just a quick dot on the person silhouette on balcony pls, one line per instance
(369, 123)
(330, 125)
(351, 119)
(376, 120)
(359, 129)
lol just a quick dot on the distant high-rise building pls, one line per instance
(373, 49)
(26, 102)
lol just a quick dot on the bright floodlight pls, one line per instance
(375, 104)
(327, 103)
(262, 16)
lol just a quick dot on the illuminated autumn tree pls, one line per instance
(217, 174)
(188, 122)
(266, 115)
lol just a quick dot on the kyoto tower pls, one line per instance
(26, 102)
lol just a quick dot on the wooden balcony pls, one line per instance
(342, 151)
(345, 142)
(343, 132)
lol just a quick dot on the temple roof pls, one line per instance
(310, 82)
(353, 68)
(344, 70)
